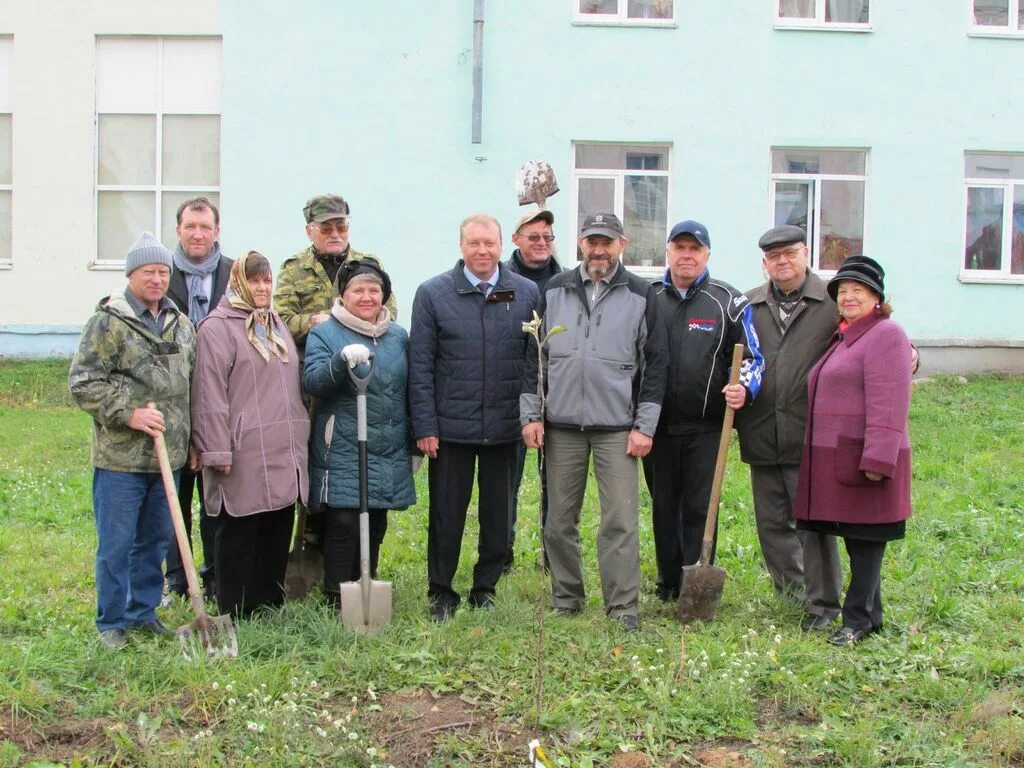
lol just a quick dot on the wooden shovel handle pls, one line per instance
(180, 533)
(723, 455)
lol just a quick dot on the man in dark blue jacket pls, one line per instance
(703, 319)
(466, 351)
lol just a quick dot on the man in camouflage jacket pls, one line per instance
(138, 348)
(305, 287)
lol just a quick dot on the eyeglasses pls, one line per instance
(790, 253)
(538, 238)
(326, 227)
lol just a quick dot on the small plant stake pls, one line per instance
(533, 328)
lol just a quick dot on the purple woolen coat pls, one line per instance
(247, 413)
(858, 402)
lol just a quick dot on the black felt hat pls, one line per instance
(860, 269)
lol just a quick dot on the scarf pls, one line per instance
(374, 330)
(195, 275)
(787, 302)
(240, 297)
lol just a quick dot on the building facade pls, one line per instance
(888, 129)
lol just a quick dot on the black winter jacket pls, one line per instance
(466, 356)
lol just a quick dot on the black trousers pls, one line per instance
(176, 581)
(517, 481)
(251, 554)
(450, 479)
(680, 471)
(339, 542)
(862, 607)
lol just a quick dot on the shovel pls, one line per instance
(700, 588)
(365, 604)
(209, 635)
(305, 564)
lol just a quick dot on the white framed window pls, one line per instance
(655, 13)
(993, 245)
(6, 151)
(158, 103)
(825, 192)
(631, 180)
(843, 15)
(997, 17)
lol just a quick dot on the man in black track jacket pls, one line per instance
(702, 319)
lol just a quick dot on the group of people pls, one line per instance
(258, 409)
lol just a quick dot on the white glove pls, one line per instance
(355, 354)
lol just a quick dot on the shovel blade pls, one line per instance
(305, 569)
(700, 592)
(353, 616)
(208, 636)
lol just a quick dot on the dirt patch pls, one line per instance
(996, 705)
(723, 757)
(411, 724)
(771, 714)
(59, 741)
(630, 760)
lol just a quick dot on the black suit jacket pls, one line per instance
(177, 291)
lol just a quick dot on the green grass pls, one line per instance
(941, 686)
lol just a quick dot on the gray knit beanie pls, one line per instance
(147, 250)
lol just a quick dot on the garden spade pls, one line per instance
(365, 604)
(206, 635)
(305, 564)
(700, 587)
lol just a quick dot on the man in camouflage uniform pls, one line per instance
(305, 287)
(138, 348)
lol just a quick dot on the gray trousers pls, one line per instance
(803, 565)
(567, 456)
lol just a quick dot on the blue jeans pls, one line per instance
(134, 530)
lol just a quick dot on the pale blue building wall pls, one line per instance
(373, 101)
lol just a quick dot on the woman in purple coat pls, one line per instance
(855, 472)
(249, 434)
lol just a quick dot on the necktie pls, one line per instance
(484, 287)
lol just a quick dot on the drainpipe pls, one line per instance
(478, 67)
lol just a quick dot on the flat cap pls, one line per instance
(784, 235)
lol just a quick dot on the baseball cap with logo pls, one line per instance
(325, 207)
(603, 224)
(694, 229)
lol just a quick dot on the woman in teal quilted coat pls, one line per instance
(360, 326)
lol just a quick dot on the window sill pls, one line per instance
(6, 264)
(971, 277)
(815, 26)
(106, 266)
(646, 23)
(998, 32)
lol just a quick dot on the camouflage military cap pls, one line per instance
(325, 207)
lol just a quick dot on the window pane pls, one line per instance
(621, 157)
(599, 6)
(595, 196)
(991, 13)
(842, 222)
(1020, 16)
(191, 150)
(5, 149)
(984, 228)
(1017, 241)
(981, 165)
(169, 202)
(122, 217)
(796, 9)
(649, 9)
(792, 204)
(645, 219)
(5, 226)
(846, 11)
(837, 161)
(127, 149)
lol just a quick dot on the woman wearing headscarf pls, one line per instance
(249, 434)
(359, 324)
(855, 472)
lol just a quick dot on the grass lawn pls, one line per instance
(941, 686)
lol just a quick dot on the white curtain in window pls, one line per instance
(847, 11)
(796, 9)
